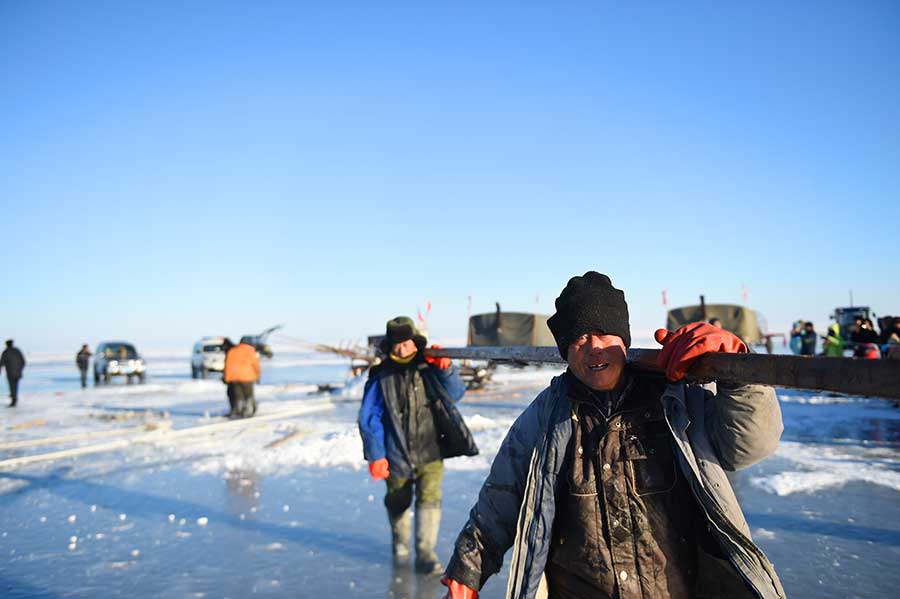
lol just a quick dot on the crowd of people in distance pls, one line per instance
(861, 337)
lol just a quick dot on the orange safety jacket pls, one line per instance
(241, 364)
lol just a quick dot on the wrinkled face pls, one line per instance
(404, 349)
(597, 360)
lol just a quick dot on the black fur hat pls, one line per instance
(400, 329)
(589, 303)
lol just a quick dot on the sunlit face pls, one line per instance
(597, 360)
(404, 349)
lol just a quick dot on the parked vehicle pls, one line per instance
(118, 358)
(207, 355)
(846, 318)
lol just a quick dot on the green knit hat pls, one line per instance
(400, 329)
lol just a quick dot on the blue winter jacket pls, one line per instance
(381, 439)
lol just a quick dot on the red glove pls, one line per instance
(457, 590)
(442, 363)
(379, 469)
(684, 346)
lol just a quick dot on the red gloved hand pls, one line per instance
(442, 363)
(379, 469)
(684, 346)
(457, 590)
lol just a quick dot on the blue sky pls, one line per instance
(171, 170)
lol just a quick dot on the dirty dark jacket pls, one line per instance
(14, 362)
(83, 359)
(710, 434)
(381, 420)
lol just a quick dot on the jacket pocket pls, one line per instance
(650, 464)
(717, 579)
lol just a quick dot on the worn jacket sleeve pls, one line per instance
(491, 528)
(744, 423)
(451, 381)
(371, 425)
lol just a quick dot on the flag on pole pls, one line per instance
(665, 301)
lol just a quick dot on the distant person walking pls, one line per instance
(83, 360)
(241, 371)
(409, 425)
(14, 362)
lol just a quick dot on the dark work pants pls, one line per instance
(427, 481)
(13, 389)
(83, 377)
(240, 397)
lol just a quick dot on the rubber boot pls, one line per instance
(401, 527)
(428, 522)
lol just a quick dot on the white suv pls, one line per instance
(207, 355)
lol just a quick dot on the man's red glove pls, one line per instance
(684, 346)
(379, 469)
(442, 363)
(457, 590)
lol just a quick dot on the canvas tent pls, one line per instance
(509, 328)
(739, 320)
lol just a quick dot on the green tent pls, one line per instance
(741, 321)
(509, 328)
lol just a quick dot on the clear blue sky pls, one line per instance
(175, 169)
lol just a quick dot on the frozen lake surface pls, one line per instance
(228, 514)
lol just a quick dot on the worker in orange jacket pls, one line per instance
(241, 371)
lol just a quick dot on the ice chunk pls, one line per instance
(202, 521)
(72, 519)
(171, 517)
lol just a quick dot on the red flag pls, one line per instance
(419, 314)
(665, 301)
(427, 307)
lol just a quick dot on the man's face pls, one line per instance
(597, 360)
(404, 349)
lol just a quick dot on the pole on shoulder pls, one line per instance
(874, 378)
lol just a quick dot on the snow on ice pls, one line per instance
(829, 494)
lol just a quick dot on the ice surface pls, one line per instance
(286, 508)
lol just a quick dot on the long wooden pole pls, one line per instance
(875, 378)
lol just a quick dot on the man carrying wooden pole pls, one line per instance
(612, 482)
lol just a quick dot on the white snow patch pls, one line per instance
(824, 466)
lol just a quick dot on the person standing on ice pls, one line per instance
(83, 360)
(241, 371)
(612, 483)
(14, 362)
(409, 425)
